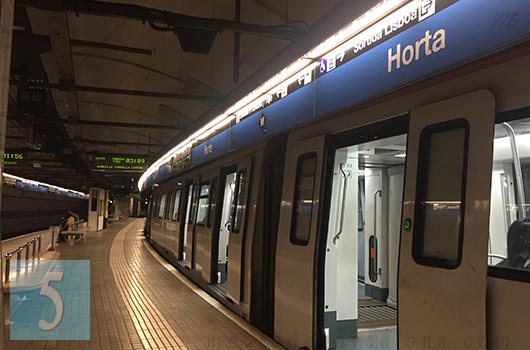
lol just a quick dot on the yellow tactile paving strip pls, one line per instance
(136, 303)
(152, 327)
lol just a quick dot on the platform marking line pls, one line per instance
(255, 333)
(147, 317)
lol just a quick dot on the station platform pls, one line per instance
(139, 301)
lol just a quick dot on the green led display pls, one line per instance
(120, 163)
(13, 158)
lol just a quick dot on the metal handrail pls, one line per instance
(35, 243)
(345, 175)
(377, 193)
(518, 170)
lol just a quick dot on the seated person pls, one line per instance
(518, 245)
(66, 225)
(76, 218)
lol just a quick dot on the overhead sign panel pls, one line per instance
(119, 162)
(13, 158)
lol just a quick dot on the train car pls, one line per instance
(29, 206)
(375, 193)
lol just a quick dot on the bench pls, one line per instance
(78, 233)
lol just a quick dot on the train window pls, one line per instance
(509, 240)
(442, 168)
(169, 205)
(162, 206)
(176, 206)
(213, 200)
(202, 209)
(303, 198)
(154, 210)
(240, 202)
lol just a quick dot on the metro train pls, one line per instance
(355, 195)
(29, 206)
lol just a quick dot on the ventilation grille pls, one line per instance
(376, 314)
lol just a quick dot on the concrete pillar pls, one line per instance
(96, 209)
(7, 10)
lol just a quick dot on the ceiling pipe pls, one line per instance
(113, 47)
(105, 90)
(161, 18)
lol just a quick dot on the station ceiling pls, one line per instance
(126, 79)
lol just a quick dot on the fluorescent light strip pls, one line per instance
(282, 79)
(38, 183)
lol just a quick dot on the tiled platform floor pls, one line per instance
(136, 303)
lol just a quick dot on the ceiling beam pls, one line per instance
(107, 124)
(60, 40)
(125, 154)
(105, 90)
(99, 45)
(117, 143)
(160, 17)
(127, 125)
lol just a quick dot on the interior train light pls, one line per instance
(38, 183)
(260, 96)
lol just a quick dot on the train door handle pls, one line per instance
(373, 266)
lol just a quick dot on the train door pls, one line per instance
(295, 251)
(222, 224)
(234, 274)
(187, 254)
(444, 235)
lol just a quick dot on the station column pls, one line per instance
(7, 10)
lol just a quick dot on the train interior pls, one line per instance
(224, 229)
(188, 223)
(363, 242)
(509, 241)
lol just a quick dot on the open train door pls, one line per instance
(237, 230)
(445, 222)
(295, 251)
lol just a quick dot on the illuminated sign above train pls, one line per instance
(401, 19)
(119, 163)
(13, 158)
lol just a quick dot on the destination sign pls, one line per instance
(13, 158)
(119, 163)
(401, 19)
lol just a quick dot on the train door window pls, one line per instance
(162, 207)
(169, 204)
(303, 199)
(240, 202)
(213, 200)
(203, 204)
(154, 210)
(509, 241)
(176, 206)
(440, 201)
